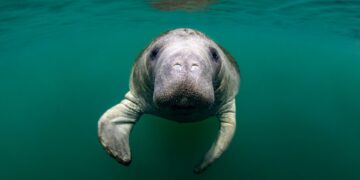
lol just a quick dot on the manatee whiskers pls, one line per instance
(182, 76)
(183, 95)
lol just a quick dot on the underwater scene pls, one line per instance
(64, 63)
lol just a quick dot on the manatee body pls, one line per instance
(182, 76)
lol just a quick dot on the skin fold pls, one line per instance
(182, 76)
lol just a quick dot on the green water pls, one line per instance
(62, 64)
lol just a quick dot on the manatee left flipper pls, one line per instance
(114, 128)
(227, 118)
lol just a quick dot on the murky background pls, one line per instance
(63, 63)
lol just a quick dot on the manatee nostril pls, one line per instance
(177, 66)
(194, 67)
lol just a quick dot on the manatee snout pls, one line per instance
(185, 95)
(183, 82)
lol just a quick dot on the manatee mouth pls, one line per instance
(182, 107)
(183, 103)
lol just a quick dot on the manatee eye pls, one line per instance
(154, 53)
(214, 54)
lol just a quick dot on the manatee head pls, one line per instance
(180, 72)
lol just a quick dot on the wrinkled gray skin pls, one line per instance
(182, 76)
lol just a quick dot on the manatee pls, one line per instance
(182, 76)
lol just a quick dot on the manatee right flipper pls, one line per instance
(114, 128)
